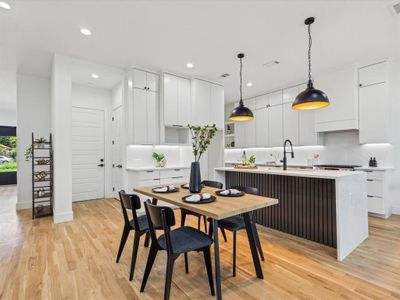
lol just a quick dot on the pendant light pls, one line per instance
(241, 113)
(310, 98)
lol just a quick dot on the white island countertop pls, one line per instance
(327, 174)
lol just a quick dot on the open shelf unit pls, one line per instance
(229, 134)
(42, 178)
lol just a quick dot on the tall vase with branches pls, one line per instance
(201, 139)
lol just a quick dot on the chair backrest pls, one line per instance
(214, 184)
(131, 202)
(247, 189)
(160, 218)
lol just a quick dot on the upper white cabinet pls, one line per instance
(250, 126)
(290, 116)
(144, 104)
(373, 74)
(275, 119)
(145, 80)
(261, 121)
(177, 102)
(342, 89)
(207, 103)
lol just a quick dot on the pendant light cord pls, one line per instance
(240, 76)
(309, 52)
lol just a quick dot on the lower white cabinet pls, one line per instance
(378, 192)
(156, 177)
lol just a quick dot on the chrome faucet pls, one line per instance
(284, 160)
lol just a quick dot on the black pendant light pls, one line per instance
(310, 98)
(241, 113)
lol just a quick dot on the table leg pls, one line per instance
(252, 243)
(216, 256)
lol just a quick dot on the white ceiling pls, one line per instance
(164, 35)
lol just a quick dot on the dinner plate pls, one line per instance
(176, 189)
(209, 200)
(229, 195)
(186, 188)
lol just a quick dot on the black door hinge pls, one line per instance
(112, 119)
(113, 142)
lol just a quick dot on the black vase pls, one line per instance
(195, 178)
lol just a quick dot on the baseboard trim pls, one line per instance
(63, 217)
(24, 205)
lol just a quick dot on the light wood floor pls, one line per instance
(76, 260)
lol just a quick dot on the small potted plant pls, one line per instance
(252, 160)
(201, 139)
(40, 142)
(160, 159)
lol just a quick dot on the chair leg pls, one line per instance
(205, 224)
(210, 230)
(234, 254)
(124, 237)
(147, 239)
(258, 243)
(207, 260)
(183, 218)
(223, 234)
(198, 222)
(149, 265)
(134, 254)
(186, 263)
(168, 277)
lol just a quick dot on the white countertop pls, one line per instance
(328, 174)
(140, 169)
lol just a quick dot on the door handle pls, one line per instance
(100, 165)
(119, 166)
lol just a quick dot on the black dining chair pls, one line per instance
(138, 224)
(237, 223)
(185, 212)
(175, 242)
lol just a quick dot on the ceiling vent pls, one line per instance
(271, 63)
(395, 8)
(225, 75)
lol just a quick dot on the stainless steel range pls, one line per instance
(337, 167)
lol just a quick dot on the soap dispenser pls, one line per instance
(370, 162)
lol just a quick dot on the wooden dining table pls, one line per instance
(221, 208)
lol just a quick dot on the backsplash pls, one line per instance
(339, 148)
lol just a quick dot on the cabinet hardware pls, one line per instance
(370, 180)
(149, 171)
(119, 166)
(177, 169)
(176, 177)
(100, 165)
(369, 196)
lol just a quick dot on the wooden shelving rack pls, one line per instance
(42, 178)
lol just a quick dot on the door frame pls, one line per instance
(114, 194)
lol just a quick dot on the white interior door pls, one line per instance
(87, 154)
(116, 174)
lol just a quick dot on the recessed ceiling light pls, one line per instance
(249, 84)
(95, 76)
(86, 31)
(4, 5)
(189, 65)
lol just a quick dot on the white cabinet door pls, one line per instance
(152, 82)
(201, 102)
(240, 133)
(307, 134)
(139, 79)
(184, 102)
(275, 126)
(250, 126)
(275, 98)
(372, 74)
(374, 113)
(290, 123)
(140, 116)
(152, 118)
(261, 119)
(171, 100)
(217, 106)
(342, 91)
(289, 94)
(262, 102)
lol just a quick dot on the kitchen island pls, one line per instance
(325, 206)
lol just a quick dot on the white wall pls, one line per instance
(95, 98)
(61, 129)
(33, 106)
(8, 97)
